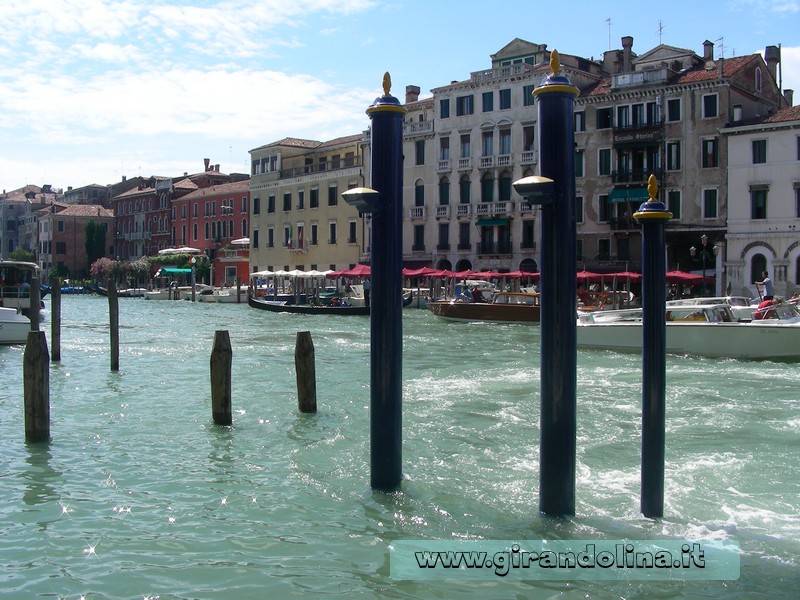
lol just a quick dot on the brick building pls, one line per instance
(62, 236)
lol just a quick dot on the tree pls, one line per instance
(22, 255)
(95, 241)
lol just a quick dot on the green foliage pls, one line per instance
(95, 241)
(22, 255)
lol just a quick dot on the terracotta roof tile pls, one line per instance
(237, 187)
(730, 66)
(784, 115)
(86, 210)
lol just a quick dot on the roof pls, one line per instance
(85, 210)
(784, 115)
(219, 190)
(292, 143)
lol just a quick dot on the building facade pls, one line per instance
(764, 203)
(298, 218)
(62, 237)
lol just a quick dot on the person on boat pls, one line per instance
(477, 296)
(367, 286)
(767, 283)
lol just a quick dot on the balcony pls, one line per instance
(418, 128)
(494, 248)
(487, 162)
(528, 157)
(504, 160)
(443, 166)
(463, 210)
(485, 209)
(297, 247)
(635, 175)
(442, 210)
(464, 164)
(416, 212)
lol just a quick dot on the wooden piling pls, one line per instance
(306, 372)
(36, 388)
(35, 302)
(238, 290)
(55, 319)
(113, 323)
(221, 360)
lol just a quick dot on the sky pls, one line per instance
(91, 90)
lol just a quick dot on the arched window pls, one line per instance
(444, 191)
(464, 191)
(758, 79)
(244, 228)
(487, 188)
(419, 193)
(758, 264)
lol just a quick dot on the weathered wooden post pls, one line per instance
(55, 318)
(113, 323)
(221, 360)
(306, 372)
(36, 388)
(34, 303)
(653, 216)
(238, 290)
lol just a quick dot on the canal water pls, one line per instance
(140, 495)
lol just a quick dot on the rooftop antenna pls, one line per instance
(721, 42)
(660, 31)
(608, 21)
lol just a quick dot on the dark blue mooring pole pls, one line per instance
(556, 97)
(653, 216)
(386, 305)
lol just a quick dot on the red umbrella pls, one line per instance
(589, 276)
(684, 277)
(357, 271)
(627, 274)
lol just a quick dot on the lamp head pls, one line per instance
(363, 198)
(536, 190)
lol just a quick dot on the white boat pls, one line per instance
(223, 295)
(699, 329)
(182, 292)
(742, 306)
(14, 326)
(15, 288)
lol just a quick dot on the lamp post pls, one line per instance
(704, 255)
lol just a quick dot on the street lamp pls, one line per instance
(704, 256)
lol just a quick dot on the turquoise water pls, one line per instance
(140, 495)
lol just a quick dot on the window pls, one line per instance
(758, 202)
(623, 116)
(653, 113)
(528, 230)
(529, 138)
(505, 99)
(61, 247)
(604, 249)
(444, 108)
(505, 142)
(487, 189)
(255, 212)
(674, 203)
(60, 226)
(710, 204)
(444, 148)
(488, 101)
(797, 200)
(579, 163)
(673, 156)
(419, 238)
(287, 201)
(301, 195)
(464, 191)
(603, 207)
(463, 236)
(287, 236)
(527, 95)
(254, 239)
(444, 191)
(244, 229)
(487, 143)
(504, 187)
(623, 248)
(604, 161)
(759, 151)
(638, 117)
(579, 250)
(270, 204)
(465, 145)
(419, 152)
(710, 156)
(194, 232)
(580, 121)
(464, 106)
(444, 237)
(351, 232)
(604, 118)
(313, 198)
(710, 110)
(332, 232)
(673, 110)
(333, 195)
(419, 193)
(579, 209)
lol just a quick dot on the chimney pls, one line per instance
(412, 93)
(206, 161)
(772, 56)
(788, 95)
(708, 51)
(627, 62)
(216, 167)
(737, 113)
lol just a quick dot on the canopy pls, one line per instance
(357, 271)
(183, 250)
(636, 195)
(589, 276)
(164, 271)
(683, 277)
(241, 242)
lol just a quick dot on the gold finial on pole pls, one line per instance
(387, 83)
(652, 187)
(555, 63)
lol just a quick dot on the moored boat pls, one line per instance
(281, 306)
(15, 284)
(14, 326)
(702, 330)
(505, 307)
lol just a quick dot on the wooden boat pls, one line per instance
(702, 330)
(505, 307)
(14, 326)
(281, 306)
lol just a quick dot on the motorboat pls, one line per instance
(504, 307)
(175, 292)
(695, 329)
(223, 295)
(14, 326)
(15, 284)
(741, 306)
